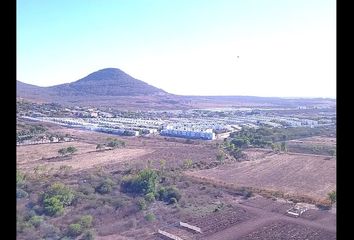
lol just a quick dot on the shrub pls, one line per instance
(63, 193)
(86, 221)
(166, 194)
(74, 229)
(332, 196)
(141, 204)
(144, 182)
(220, 156)
(53, 206)
(20, 178)
(173, 201)
(150, 217)
(247, 194)
(150, 197)
(36, 220)
(105, 187)
(88, 235)
(187, 163)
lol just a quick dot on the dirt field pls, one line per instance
(138, 152)
(318, 140)
(294, 174)
(313, 145)
(28, 157)
(288, 230)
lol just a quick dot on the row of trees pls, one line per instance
(112, 143)
(67, 151)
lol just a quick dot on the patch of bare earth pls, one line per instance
(28, 157)
(307, 175)
(287, 230)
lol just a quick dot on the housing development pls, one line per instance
(194, 124)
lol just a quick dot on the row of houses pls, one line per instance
(205, 134)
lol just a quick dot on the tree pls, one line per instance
(71, 150)
(275, 147)
(56, 198)
(332, 152)
(62, 151)
(144, 182)
(100, 147)
(283, 147)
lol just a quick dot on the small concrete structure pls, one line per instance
(186, 225)
(169, 235)
(296, 211)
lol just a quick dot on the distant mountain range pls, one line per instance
(111, 87)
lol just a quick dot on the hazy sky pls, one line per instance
(284, 48)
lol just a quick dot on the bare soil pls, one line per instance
(294, 174)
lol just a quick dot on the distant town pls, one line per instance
(205, 124)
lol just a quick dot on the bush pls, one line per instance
(86, 221)
(88, 235)
(220, 156)
(105, 187)
(63, 193)
(332, 196)
(150, 217)
(173, 201)
(141, 204)
(53, 206)
(20, 179)
(150, 197)
(144, 182)
(166, 194)
(75, 229)
(36, 220)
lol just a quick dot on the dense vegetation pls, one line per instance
(50, 197)
(274, 138)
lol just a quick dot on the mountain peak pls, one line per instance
(107, 82)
